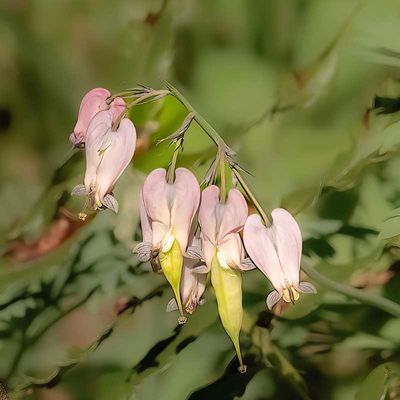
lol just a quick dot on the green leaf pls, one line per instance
(374, 386)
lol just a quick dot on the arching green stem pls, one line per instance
(356, 294)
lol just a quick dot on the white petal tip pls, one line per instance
(172, 305)
(307, 287)
(272, 299)
(247, 265)
(79, 190)
(110, 202)
(143, 251)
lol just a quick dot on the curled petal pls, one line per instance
(172, 305)
(117, 107)
(93, 102)
(262, 251)
(143, 251)
(273, 298)
(307, 287)
(79, 190)
(110, 202)
(287, 236)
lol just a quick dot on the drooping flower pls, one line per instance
(223, 252)
(167, 211)
(94, 101)
(108, 153)
(276, 251)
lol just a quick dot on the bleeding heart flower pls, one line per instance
(167, 211)
(108, 153)
(276, 251)
(223, 252)
(93, 102)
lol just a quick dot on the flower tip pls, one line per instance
(242, 368)
(182, 320)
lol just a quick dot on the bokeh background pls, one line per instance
(307, 93)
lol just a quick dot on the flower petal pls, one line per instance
(234, 214)
(155, 198)
(289, 244)
(186, 199)
(145, 222)
(93, 102)
(262, 251)
(273, 298)
(98, 128)
(207, 214)
(232, 249)
(117, 107)
(116, 157)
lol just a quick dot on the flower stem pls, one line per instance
(207, 128)
(172, 166)
(140, 100)
(221, 157)
(357, 294)
(217, 139)
(252, 197)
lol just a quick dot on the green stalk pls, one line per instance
(172, 166)
(222, 175)
(207, 128)
(359, 295)
(356, 294)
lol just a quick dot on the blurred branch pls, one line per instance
(356, 294)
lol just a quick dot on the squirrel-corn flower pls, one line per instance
(167, 211)
(94, 101)
(276, 251)
(108, 153)
(223, 252)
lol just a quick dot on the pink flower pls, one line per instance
(223, 252)
(167, 211)
(276, 251)
(220, 224)
(93, 102)
(108, 153)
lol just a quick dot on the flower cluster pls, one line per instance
(109, 142)
(189, 234)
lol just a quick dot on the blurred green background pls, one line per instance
(307, 93)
